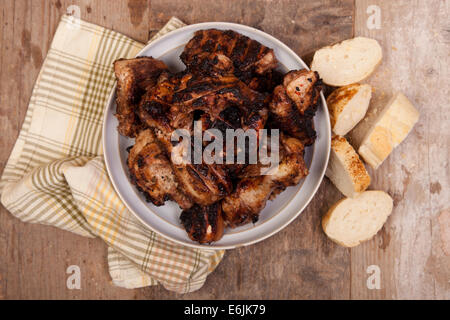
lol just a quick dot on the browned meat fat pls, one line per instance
(247, 55)
(294, 104)
(134, 77)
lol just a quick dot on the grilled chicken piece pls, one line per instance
(203, 224)
(248, 56)
(211, 64)
(214, 95)
(134, 77)
(233, 118)
(294, 104)
(205, 184)
(253, 190)
(267, 82)
(171, 104)
(151, 172)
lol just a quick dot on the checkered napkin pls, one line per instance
(56, 174)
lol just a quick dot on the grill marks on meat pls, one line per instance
(203, 224)
(233, 118)
(170, 105)
(134, 78)
(294, 104)
(253, 191)
(151, 172)
(214, 95)
(205, 184)
(213, 64)
(247, 56)
(266, 82)
(230, 83)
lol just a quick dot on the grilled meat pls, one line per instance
(203, 224)
(213, 95)
(265, 83)
(171, 104)
(248, 56)
(211, 64)
(253, 191)
(205, 184)
(151, 172)
(294, 104)
(230, 82)
(134, 78)
(233, 118)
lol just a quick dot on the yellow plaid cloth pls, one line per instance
(56, 174)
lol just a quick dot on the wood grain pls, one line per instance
(299, 262)
(415, 40)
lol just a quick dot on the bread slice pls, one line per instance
(345, 168)
(390, 128)
(347, 106)
(353, 220)
(347, 62)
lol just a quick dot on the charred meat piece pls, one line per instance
(155, 107)
(303, 87)
(203, 224)
(247, 55)
(168, 105)
(151, 172)
(171, 105)
(230, 82)
(213, 95)
(164, 113)
(233, 118)
(294, 104)
(134, 77)
(265, 83)
(253, 190)
(211, 64)
(205, 184)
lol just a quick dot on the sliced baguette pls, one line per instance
(347, 62)
(347, 106)
(345, 168)
(353, 220)
(390, 128)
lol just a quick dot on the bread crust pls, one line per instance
(338, 99)
(352, 166)
(347, 106)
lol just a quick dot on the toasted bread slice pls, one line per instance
(347, 62)
(345, 168)
(353, 220)
(347, 106)
(390, 128)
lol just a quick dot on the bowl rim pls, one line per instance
(316, 184)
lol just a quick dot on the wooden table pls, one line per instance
(299, 262)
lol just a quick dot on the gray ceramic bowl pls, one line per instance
(165, 219)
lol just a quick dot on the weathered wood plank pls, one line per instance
(415, 40)
(304, 26)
